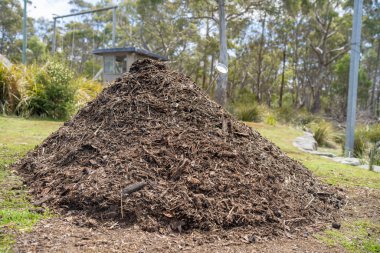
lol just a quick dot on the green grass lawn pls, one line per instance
(324, 168)
(356, 235)
(17, 136)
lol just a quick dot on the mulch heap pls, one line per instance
(190, 163)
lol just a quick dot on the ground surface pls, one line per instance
(24, 228)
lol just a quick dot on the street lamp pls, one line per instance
(220, 69)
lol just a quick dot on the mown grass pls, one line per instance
(324, 168)
(17, 136)
(356, 235)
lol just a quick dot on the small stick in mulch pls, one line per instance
(133, 188)
(128, 191)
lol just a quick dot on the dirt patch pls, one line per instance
(61, 235)
(58, 235)
(198, 167)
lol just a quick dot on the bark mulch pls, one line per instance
(153, 150)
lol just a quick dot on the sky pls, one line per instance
(46, 8)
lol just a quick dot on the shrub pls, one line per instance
(322, 131)
(271, 119)
(360, 143)
(86, 90)
(244, 107)
(48, 92)
(304, 118)
(9, 88)
(285, 113)
(373, 136)
(374, 133)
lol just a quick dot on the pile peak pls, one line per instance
(190, 164)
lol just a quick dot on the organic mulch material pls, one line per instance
(152, 149)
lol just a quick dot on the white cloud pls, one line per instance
(46, 8)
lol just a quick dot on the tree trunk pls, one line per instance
(377, 104)
(317, 87)
(204, 74)
(260, 60)
(317, 100)
(221, 87)
(2, 42)
(210, 81)
(295, 66)
(374, 82)
(282, 77)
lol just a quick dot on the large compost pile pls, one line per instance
(202, 168)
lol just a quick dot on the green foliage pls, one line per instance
(328, 170)
(373, 133)
(339, 89)
(86, 90)
(244, 107)
(303, 118)
(10, 26)
(322, 132)
(373, 136)
(285, 113)
(91, 67)
(9, 88)
(18, 136)
(360, 143)
(358, 236)
(374, 156)
(271, 120)
(247, 112)
(50, 93)
(37, 50)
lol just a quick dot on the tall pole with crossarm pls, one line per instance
(82, 13)
(353, 78)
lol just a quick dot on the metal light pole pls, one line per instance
(353, 78)
(24, 34)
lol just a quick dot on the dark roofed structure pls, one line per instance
(117, 61)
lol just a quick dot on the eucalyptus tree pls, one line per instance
(327, 42)
(10, 26)
(371, 48)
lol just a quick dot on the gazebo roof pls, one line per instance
(118, 50)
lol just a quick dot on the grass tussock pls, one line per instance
(9, 88)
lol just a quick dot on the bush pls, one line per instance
(373, 136)
(374, 133)
(244, 107)
(322, 131)
(247, 113)
(48, 92)
(86, 90)
(285, 113)
(304, 118)
(271, 119)
(9, 88)
(360, 143)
